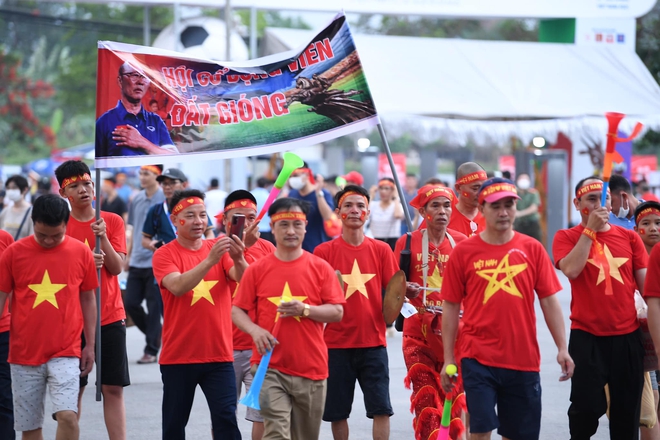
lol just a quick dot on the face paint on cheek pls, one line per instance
(429, 217)
(363, 215)
(465, 194)
(182, 222)
(344, 216)
(642, 231)
(585, 211)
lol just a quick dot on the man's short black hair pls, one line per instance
(350, 188)
(179, 195)
(20, 181)
(620, 183)
(214, 183)
(580, 184)
(50, 210)
(642, 206)
(71, 168)
(506, 174)
(286, 203)
(239, 194)
(262, 182)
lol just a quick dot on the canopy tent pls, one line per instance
(487, 91)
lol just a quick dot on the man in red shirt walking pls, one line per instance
(466, 217)
(356, 345)
(6, 405)
(293, 293)
(76, 186)
(197, 338)
(494, 275)
(605, 264)
(51, 278)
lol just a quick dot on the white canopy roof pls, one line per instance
(497, 81)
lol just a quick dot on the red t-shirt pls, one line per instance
(461, 223)
(242, 340)
(301, 350)
(496, 284)
(652, 283)
(591, 309)
(366, 269)
(5, 240)
(112, 309)
(197, 324)
(413, 326)
(46, 316)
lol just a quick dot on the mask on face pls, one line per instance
(13, 194)
(296, 182)
(623, 213)
(524, 184)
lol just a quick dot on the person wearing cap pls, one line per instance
(647, 225)
(604, 264)
(305, 187)
(242, 202)
(494, 276)
(422, 351)
(466, 217)
(293, 294)
(140, 281)
(357, 348)
(129, 129)
(386, 213)
(193, 274)
(353, 178)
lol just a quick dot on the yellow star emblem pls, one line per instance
(87, 244)
(614, 263)
(286, 297)
(356, 281)
(435, 280)
(203, 290)
(506, 284)
(46, 291)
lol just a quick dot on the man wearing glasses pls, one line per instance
(129, 129)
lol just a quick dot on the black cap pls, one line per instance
(172, 173)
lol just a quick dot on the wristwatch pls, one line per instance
(319, 194)
(306, 311)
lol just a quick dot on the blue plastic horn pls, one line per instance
(251, 399)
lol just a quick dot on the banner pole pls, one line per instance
(402, 199)
(98, 291)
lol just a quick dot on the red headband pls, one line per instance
(471, 178)
(184, 203)
(71, 180)
(308, 172)
(507, 190)
(429, 192)
(288, 216)
(153, 168)
(242, 203)
(385, 182)
(350, 193)
(646, 213)
(589, 187)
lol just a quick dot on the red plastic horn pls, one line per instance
(613, 120)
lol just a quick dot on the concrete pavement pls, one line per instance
(143, 398)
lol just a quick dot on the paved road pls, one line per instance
(143, 398)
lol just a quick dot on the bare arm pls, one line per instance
(237, 254)
(320, 313)
(88, 306)
(450, 317)
(654, 320)
(640, 278)
(573, 263)
(209, 233)
(112, 260)
(554, 319)
(398, 208)
(181, 283)
(263, 340)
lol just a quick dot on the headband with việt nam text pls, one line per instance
(472, 177)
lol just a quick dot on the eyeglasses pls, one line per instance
(134, 76)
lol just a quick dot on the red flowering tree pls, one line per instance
(24, 134)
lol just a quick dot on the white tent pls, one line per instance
(487, 91)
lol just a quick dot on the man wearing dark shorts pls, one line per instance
(494, 276)
(356, 345)
(77, 187)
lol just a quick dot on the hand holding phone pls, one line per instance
(237, 225)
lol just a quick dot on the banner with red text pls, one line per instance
(153, 102)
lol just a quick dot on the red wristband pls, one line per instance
(590, 233)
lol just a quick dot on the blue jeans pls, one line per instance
(218, 384)
(6, 403)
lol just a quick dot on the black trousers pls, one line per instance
(140, 286)
(599, 360)
(6, 402)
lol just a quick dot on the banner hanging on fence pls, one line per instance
(152, 102)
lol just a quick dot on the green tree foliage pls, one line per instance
(648, 49)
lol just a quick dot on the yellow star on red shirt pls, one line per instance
(286, 297)
(614, 262)
(506, 284)
(203, 290)
(435, 280)
(46, 291)
(356, 281)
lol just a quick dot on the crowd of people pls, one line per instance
(305, 285)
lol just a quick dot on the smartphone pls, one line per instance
(159, 244)
(237, 225)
